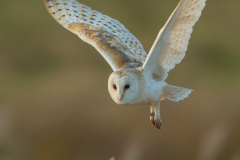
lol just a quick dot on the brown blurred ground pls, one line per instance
(54, 103)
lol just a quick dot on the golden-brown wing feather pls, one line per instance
(114, 42)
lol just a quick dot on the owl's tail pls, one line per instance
(175, 93)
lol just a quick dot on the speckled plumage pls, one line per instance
(116, 44)
(138, 78)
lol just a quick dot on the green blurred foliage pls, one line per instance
(54, 102)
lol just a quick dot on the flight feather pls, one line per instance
(111, 39)
(171, 43)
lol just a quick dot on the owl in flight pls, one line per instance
(137, 78)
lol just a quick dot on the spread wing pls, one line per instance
(171, 43)
(109, 37)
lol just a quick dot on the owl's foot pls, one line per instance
(157, 122)
(155, 116)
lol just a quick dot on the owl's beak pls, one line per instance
(120, 95)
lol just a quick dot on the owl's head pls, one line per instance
(122, 86)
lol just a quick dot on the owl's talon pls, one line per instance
(156, 122)
(155, 116)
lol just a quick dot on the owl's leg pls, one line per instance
(155, 115)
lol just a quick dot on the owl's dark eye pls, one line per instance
(127, 86)
(114, 87)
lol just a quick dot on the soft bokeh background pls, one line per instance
(54, 103)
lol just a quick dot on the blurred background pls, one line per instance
(54, 102)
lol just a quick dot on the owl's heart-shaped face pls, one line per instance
(122, 88)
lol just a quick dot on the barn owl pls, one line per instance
(138, 77)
